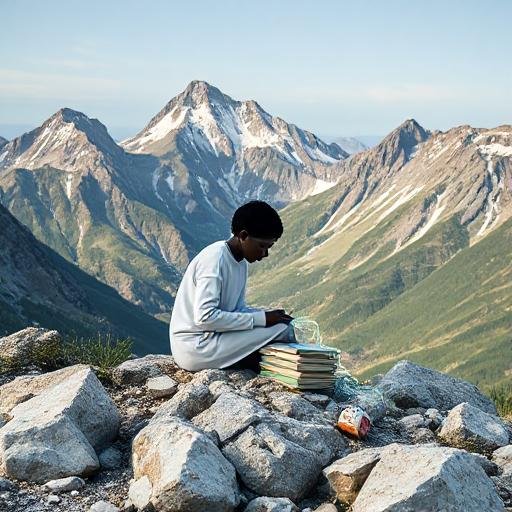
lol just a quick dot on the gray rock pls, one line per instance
(317, 399)
(490, 468)
(413, 422)
(422, 436)
(503, 456)
(52, 499)
(267, 504)
(7, 485)
(110, 458)
(346, 476)
(161, 386)
(32, 342)
(326, 507)
(410, 385)
(373, 402)
(137, 371)
(140, 492)
(294, 406)
(218, 387)
(71, 483)
(240, 378)
(57, 432)
(435, 417)
(410, 478)
(472, 429)
(264, 453)
(190, 400)
(177, 467)
(207, 377)
(103, 506)
(230, 415)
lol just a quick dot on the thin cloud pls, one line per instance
(15, 83)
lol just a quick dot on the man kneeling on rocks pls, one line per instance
(211, 326)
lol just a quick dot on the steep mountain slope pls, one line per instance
(237, 149)
(400, 212)
(82, 195)
(37, 285)
(134, 220)
(3, 142)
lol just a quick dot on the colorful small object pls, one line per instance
(355, 421)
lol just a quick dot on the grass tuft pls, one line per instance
(103, 353)
(502, 397)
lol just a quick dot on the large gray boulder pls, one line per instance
(23, 346)
(346, 476)
(283, 457)
(58, 432)
(470, 428)
(423, 478)
(410, 385)
(178, 468)
(230, 415)
(137, 371)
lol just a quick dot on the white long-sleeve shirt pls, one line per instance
(211, 326)
(211, 296)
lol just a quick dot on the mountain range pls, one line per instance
(133, 215)
(399, 250)
(408, 256)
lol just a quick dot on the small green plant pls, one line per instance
(502, 397)
(103, 353)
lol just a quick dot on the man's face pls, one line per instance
(255, 249)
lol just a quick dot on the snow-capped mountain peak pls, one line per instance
(213, 121)
(61, 141)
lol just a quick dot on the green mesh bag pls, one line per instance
(347, 388)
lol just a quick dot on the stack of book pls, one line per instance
(301, 367)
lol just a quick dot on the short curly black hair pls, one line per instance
(259, 219)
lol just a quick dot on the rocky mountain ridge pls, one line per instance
(399, 214)
(251, 154)
(160, 438)
(134, 220)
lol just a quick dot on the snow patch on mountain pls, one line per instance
(495, 149)
(167, 124)
(322, 186)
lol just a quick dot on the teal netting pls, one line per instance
(346, 388)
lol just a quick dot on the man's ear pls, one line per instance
(243, 235)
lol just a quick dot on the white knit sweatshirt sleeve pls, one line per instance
(207, 314)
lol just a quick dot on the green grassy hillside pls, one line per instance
(438, 301)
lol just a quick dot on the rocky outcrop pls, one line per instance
(178, 468)
(229, 440)
(410, 385)
(470, 428)
(264, 453)
(426, 478)
(26, 344)
(57, 432)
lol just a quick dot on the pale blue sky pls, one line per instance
(333, 67)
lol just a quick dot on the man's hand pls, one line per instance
(277, 316)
